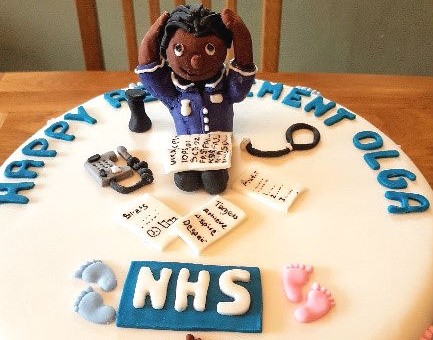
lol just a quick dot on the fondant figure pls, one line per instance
(181, 62)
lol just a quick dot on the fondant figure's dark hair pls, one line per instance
(197, 20)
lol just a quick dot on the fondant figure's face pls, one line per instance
(195, 58)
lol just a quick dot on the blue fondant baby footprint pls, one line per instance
(90, 306)
(97, 272)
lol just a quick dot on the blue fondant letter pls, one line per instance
(371, 157)
(23, 169)
(149, 98)
(404, 198)
(339, 116)
(114, 98)
(399, 183)
(12, 195)
(81, 116)
(274, 89)
(375, 144)
(318, 106)
(293, 98)
(29, 149)
(52, 132)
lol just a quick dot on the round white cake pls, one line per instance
(373, 264)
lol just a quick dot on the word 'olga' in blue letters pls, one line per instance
(390, 178)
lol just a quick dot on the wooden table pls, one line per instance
(400, 106)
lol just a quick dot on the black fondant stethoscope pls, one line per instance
(291, 145)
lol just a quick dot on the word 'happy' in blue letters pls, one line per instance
(38, 147)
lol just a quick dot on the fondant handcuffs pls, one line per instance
(291, 145)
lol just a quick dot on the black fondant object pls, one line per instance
(213, 181)
(291, 145)
(139, 121)
(188, 180)
(146, 175)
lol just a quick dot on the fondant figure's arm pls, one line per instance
(242, 43)
(242, 68)
(149, 48)
(152, 70)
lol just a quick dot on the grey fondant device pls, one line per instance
(103, 169)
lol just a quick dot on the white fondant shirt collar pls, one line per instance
(186, 86)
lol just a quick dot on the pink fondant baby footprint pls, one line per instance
(295, 276)
(319, 302)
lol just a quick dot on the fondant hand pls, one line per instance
(242, 43)
(149, 48)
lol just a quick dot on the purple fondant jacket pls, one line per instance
(197, 110)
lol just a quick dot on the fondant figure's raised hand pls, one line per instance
(149, 48)
(242, 43)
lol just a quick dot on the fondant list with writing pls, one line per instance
(211, 151)
(208, 224)
(150, 219)
(267, 189)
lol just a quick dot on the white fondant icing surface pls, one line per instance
(378, 266)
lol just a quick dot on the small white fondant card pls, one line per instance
(209, 223)
(210, 151)
(267, 189)
(150, 219)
